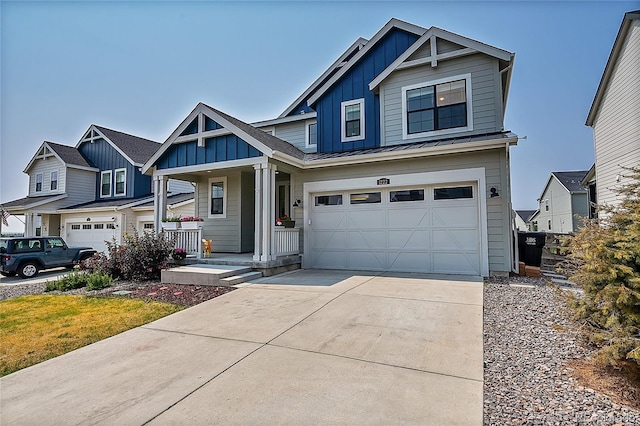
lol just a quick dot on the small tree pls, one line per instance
(604, 257)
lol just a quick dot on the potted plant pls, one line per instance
(171, 223)
(191, 222)
(285, 221)
(179, 253)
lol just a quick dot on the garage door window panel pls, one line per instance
(365, 198)
(406, 195)
(453, 193)
(328, 200)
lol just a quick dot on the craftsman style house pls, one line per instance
(394, 159)
(615, 114)
(92, 192)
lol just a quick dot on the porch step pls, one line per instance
(202, 274)
(241, 278)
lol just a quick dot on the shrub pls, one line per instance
(139, 257)
(604, 257)
(75, 279)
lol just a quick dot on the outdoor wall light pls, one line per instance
(494, 192)
(297, 203)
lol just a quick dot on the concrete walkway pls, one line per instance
(308, 347)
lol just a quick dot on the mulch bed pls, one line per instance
(184, 295)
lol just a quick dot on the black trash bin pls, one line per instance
(530, 246)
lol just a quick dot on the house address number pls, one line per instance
(384, 181)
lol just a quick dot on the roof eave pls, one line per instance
(608, 69)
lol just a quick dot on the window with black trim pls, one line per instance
(365, 198)
(453, 193)
(328, 200)
(217, 197)
(352, 116)
(406, 195)
(54, 181)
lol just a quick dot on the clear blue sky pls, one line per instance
(141, 67)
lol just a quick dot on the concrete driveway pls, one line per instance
(308, 347)
(43, 277)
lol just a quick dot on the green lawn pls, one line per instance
(36, 328)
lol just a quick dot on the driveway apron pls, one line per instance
(308, 347)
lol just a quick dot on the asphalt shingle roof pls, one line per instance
(525, 214)
(69, 154)
(136, 148)
(171, 199)
(27, 201)
(572, 180)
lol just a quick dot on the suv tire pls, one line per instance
(29, 270)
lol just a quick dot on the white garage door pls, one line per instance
(90, 234)
(432, 229)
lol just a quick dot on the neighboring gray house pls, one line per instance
(563, 198)
(395, 159)
(615, 112)
(523, 220)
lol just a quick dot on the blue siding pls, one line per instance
(103, 156)
(354, 85)
(217, 149)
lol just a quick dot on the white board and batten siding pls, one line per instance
(616, 127)
(485, 86)
(497, 222)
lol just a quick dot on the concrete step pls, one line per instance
(201, 274)
(240, 278)
(553, 275)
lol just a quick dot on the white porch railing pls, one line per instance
(188, 239)
(287, 241)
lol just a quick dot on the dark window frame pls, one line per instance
(437, 111)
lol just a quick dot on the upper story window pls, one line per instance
(217, 197)
(352, 119)
(105, 184)
(312, 135)
(54, 181)
(121, 182)
(437, 107)
(39, 182)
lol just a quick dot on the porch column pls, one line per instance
(268, 202)
(28, 225)
(257, 238)
(159, 201)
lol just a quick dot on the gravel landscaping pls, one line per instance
(529, 345)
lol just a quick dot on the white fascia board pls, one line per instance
(88, 169)
(413, 153)
(281, 120)
(38, 157)
(474, 45)
(210, 166)
(337, 63)
(611, 62)
(393, 23)
(89, 210)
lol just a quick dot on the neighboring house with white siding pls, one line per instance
(394, 159)
(615, 112)
(87, 193)
(564, 202)
(523, 219)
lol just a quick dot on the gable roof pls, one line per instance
(68, 155)
(393, 23)
(30, 202)
(268, 144)
(471, 46)
(525, 215)
(571, 181)
(135, 149)
(340, 62)
(611, 62)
